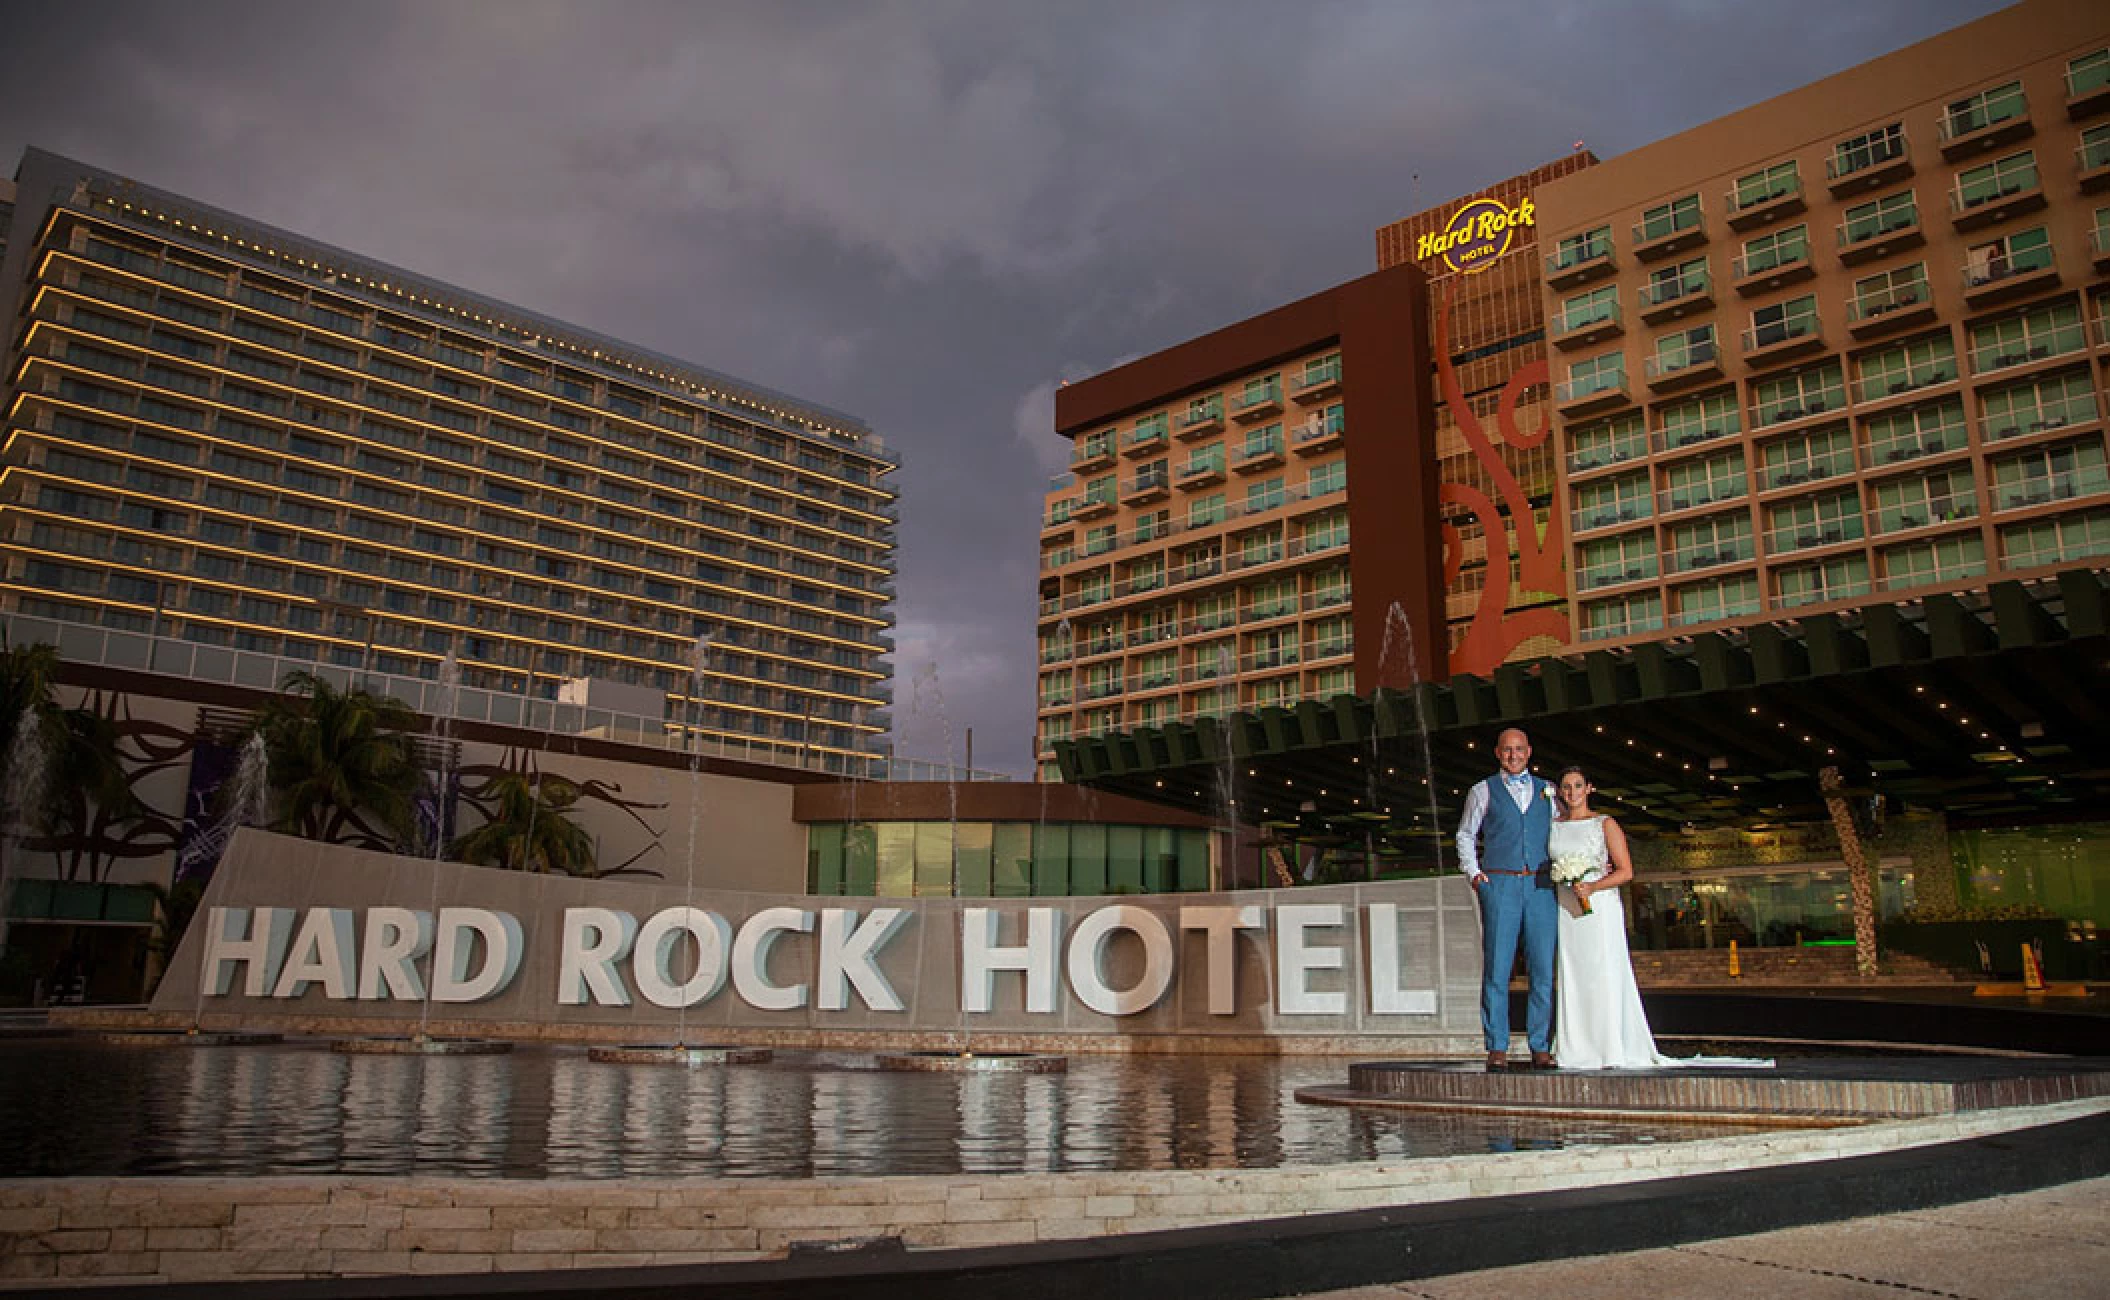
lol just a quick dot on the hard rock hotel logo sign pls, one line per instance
(1477, 233)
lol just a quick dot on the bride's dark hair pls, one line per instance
(1571, 769)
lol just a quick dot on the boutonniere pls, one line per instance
(1548, 791)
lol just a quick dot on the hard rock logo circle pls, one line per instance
(1477, 234)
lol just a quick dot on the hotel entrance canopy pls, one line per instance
(1991, 706)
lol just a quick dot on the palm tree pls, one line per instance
(530, 829)
(74, 751)
(339, 760)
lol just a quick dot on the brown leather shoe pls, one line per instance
(1543, 1061)
(1498, 1062)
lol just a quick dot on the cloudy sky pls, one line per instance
(924, 212)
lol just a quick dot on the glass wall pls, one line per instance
(2063, 869)
(1003, 859)
(1770, 907)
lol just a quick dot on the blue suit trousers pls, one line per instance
(1514, 908)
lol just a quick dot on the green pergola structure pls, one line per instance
(1993, 706)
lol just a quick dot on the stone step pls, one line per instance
(1782, 966)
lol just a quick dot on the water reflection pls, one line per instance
(82, 1108)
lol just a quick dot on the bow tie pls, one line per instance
(1518, 780)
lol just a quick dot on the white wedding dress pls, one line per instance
(1598, 1020)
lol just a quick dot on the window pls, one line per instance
(1668, 284)
(2043, 475)
(2088, 73)
(1860, 153)
(1320, 370)
(2056, 541)
(1943, 496)
(1256, 393)
(1770, 252)
(1989, 182)
(1604, 620)
(1815, 521)
(1629, 557)
(1261, 443)
(1889, 291)
(1879, 217)
(1595, 375)
(1707, 602)
(1923, 430)
(1683, 349)
(1618, 500)
(1760, 187)
(1780, 322)
(1902, 367)
(1984, 109)
(2052, 402)
(2094, 153)
(1703, 482)
(1776, 399)
(1842, 577)
(1607, 442)
(1574, 250)
(1327, 478)
(1323, 533)
(1587, 309)
(1668, 219)
(1942, 559)
(1204, 511)
(1697, 419)
(1717, 539)
(2048, 331)
(1203, 410)
(1265, 495)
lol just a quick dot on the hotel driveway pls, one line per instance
(2053, 1242)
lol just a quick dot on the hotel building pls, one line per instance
(1848, 343)
(235, 436)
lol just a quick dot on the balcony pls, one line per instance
(2009, 277)
(2088, 88)
(1671, 500)
(1769, 271)
(1145, 488)
(1687, 436)
(1695, 364)
(1609, 456)
(1623, 512)
(1750, 209)
(2099, 248)
(2091, 165)
(1665, 235)
(1786, 539)
(1582, 328)
(1671, 298)
(1916, 446)
(2045, 489)
(1787, 410)
(1987, 124)
(1143, 441)
(1868, 168)
(1709, 555)
(1866, 240)
(1596, 393)
(1059, 516)
(2012, 194)
(1888, 309)
(1951, 509)
(1258, 454)
(1200, 424)
(1094, 453)
(1093, 505)
(1317, 383)
(1777, 341)
(1617, 574)
(1320, 433)
(2041, 418)
(1804, 472)
(1254, 406)
(1200, 474)
(1580, 264)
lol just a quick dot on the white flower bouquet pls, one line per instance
(1572, 869)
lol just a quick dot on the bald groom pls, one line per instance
(1502, 849)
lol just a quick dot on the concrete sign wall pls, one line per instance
(299, 933)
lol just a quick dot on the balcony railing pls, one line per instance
(1985, 120)
(1946, 509)
(1813, 470)
(1870, 163)
(1688, 361)
(2043, 489)
(1591, 389)
(1709, 554)
(1667, 231)
(1616, 573)
(1578, 261)
(1983, 274)
(1780, 334)
(1606, 516)
(2018, 421)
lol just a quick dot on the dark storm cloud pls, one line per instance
(924, 213)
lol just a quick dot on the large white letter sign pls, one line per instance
(395, 938)
(1087, 960)
(500, 932)
(595, 939)
(981, 958)
(322, 951)
(1383, 969)
(230, 937)
(1220, 924)
(848, 948)
(751, 959)
(652, 964)
(1296, 959)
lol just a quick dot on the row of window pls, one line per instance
(1161, 710)
(2031, 544)
(1252, 398)
(1196, 615)
(1255, 652)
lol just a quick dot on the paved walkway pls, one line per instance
(2054, 1242)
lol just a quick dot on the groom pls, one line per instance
(1502, 850)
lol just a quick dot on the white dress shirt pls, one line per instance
(1521, 789)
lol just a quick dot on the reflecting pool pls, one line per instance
(82, 1107)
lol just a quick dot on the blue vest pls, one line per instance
(1512, 840)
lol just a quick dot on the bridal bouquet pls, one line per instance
(1571, 869)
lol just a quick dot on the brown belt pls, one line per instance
(1497, 871)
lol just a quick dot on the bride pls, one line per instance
(1599, 1023)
